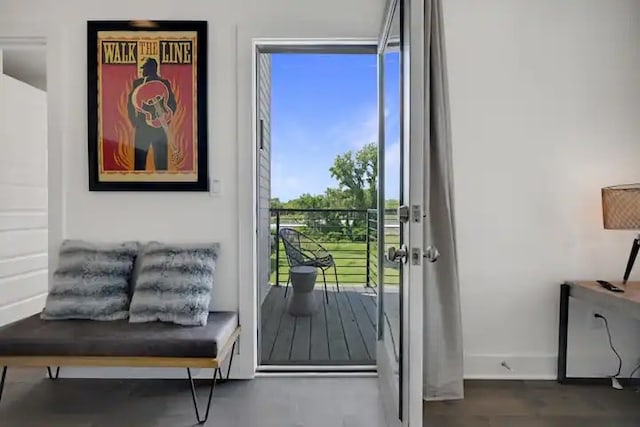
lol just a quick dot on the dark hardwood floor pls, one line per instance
(536, 404)
(31, 400)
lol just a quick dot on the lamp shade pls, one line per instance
(621, 207)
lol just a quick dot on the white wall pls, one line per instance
(544, 95)
(76, 212)
(545, 99)
(27, 64)
(23, 199)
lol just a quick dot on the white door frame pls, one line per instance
(287, 45)
(33, 34)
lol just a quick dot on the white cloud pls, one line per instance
(359, 129)
(392, 170)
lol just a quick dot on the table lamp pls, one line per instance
(621, 211)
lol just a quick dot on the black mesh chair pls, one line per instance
(303, 250)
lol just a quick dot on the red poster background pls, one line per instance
(117, 133)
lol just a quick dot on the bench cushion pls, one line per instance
(36, 337)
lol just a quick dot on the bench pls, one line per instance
(33, 342)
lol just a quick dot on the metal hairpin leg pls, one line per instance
(4, 376)
(51, 375)
(216, 373)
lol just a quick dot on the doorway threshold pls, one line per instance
(317, 370)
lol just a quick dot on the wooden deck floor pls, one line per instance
(342, 332)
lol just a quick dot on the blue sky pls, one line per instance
(323, 105)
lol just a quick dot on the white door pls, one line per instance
(400, 213)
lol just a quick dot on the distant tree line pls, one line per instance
(357, 176)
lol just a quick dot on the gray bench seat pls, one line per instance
(36, 337)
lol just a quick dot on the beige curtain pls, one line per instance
(443, 353)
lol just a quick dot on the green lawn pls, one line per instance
(351, 261)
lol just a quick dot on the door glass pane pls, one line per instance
(392, 194)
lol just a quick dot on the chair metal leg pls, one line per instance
(195, 400)
(286, 288)
(335, 270)
(326, 294)
(51, 375)
(4, 376)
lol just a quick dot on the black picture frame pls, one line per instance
(199, 126)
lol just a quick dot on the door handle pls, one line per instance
(403, 214)
(398, 255)
(431, 254)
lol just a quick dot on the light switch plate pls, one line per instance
(215, 187)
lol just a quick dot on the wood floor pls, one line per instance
(342, 332)
(536, 404)
(30, 400)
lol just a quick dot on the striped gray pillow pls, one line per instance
(174, 284)
(91, 281)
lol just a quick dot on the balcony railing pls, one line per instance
(349, 235)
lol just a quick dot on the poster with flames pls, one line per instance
(149, 111)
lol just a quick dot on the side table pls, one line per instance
(302, 301)
(627, 303)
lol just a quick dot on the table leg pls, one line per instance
(563, 333)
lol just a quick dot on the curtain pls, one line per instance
(443, 353)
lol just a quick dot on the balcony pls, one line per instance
(342, 331)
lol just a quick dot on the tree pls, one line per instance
(357, 176)
(307, 201)
(275, 203)
(391, 204)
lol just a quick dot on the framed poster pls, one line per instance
(147, 101)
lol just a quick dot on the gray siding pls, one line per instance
(264, 174)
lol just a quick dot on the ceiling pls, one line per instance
(26, 64)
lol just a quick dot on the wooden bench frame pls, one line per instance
(138, 362)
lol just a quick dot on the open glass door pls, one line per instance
(400, 218)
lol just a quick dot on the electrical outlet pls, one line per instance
(595, 322)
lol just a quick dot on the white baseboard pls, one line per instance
(21, 309)
(518, 367)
